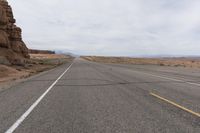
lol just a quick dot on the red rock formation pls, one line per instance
(10, 34)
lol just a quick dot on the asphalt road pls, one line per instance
(90, 97)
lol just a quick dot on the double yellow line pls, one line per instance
(175, 104)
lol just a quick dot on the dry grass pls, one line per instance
(175, 62)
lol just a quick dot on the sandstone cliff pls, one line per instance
(12, 46)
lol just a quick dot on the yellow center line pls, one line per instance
(175, 104)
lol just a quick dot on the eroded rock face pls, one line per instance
(10, 34)
(4, 41)
(3, 16)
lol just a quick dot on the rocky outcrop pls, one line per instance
(10, 34)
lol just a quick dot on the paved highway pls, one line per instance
(88, 97)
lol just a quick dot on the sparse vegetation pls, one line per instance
(38, 63)
(174, 62)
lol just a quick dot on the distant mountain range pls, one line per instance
(168, 56)
(66, 52)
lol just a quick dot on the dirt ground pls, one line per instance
(38, 63)
(174, 62)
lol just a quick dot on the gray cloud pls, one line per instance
(111, 27)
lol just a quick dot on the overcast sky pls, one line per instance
(111, 27)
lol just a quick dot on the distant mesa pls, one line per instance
(35, 51)
(12, 47)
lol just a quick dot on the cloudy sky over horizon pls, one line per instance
(111, 27)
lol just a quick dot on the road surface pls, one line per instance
(88, 97)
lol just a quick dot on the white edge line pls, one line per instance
(178, 80)
(23, 117)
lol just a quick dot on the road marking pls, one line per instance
(23, 117)
(175, 104)
(172, 79)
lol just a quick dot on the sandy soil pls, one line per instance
(38, 63)
(10, 73)
(175, 62)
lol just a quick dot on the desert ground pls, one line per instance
(9, 74)
(192, 62)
